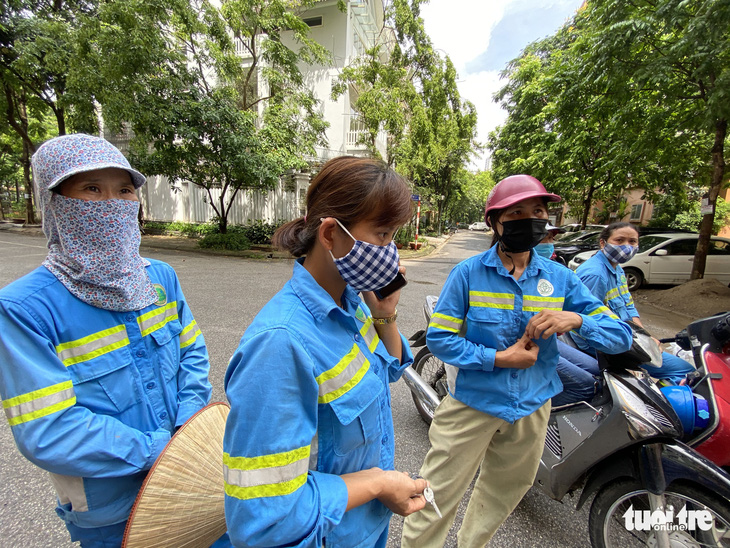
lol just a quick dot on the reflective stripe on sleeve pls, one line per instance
(155, 319)
(93, 345)
(447, 323)
(265, 476)
(488, 299)
(611, 294)
(369, 334)
(39, 403)
(189, 334)
(534, 303)
(339, 380)
(604, 310)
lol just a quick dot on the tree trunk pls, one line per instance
(587, 207)
(718, 170)
(223, 217)
(29, 215)
(27, 151)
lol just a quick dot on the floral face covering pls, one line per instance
(94, 252)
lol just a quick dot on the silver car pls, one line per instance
(667, 259)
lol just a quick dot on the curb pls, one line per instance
(174, 243)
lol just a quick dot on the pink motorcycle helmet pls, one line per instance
(513, 189)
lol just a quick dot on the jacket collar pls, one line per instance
(536, 265)
(315, 298)
(601, 257)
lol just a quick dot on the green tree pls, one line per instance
(674, 55)
(564, 129)
(470, 196)
(408, 89)
(239, 114)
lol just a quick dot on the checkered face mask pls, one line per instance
(619, 253)
(367, 266)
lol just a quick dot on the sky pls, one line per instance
(482, 36)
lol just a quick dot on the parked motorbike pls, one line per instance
(624, 447)
(704, 405)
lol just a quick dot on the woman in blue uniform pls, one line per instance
(308, 448)
(605, 277)
(101, 357)
(495, 324)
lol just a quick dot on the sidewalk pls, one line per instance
(181, 243)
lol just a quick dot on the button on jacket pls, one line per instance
(482, 310)
(309, 395)
(92, 396)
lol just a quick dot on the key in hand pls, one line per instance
(428, 495)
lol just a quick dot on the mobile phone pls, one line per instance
(398, 282)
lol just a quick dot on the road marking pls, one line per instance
(22, 245)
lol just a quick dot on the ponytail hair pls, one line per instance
(351, 190)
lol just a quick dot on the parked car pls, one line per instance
(572, 228)
(565, 250)
(480, 225)
(667, 259)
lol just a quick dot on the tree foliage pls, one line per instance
(238, 115)
(407, 88)
(212, 93)
(626, 95)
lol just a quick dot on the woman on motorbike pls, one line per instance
(605, 278)
(495, 324)
(577, 370)
(308, 449)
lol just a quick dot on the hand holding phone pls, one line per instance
(398, 282)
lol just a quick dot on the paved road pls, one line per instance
(225, 294)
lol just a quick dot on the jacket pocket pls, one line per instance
(166, 345)
(492, 327)
(363, 430)
(107, 385)
(357, 415)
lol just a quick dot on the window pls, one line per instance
(636, 212)
(647, 242)
(719, 247)
(313, 21)
(686, 246)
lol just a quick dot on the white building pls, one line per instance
(346, 35)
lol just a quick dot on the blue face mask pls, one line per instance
(545, 250)
(619, 253)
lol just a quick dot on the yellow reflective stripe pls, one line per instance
(189, 334)
(39, 403)
(92, 346)
(155, 319)
(492, 300)
(612, 294)
(369, 334)
(535, 303)
(604, 310)
(339, 380)
(265, 476)
(447, 323)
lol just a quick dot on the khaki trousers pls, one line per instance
(462, 440)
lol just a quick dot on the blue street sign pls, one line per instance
(415, 198)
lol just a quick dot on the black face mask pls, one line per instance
(522, 235)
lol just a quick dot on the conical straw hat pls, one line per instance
(181, 501)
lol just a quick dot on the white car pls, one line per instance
(667, 259)
(481, 225)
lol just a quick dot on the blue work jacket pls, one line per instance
(93, 396)
(482, 309)
(310, 401)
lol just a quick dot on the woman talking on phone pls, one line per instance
(308, 449)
